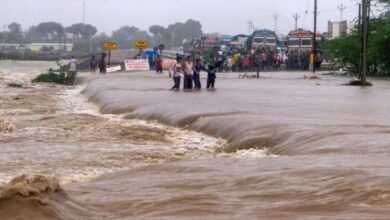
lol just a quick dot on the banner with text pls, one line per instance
(137, 65)
(168, 63)
(113, 69)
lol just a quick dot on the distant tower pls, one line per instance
(341, 8)
(83, 15)
(276, 22)
(296, 17)
(250, 26)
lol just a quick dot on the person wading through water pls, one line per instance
(72, 71)
(102, 64)
(159, 63)
(93, 64)
(198, 68)
(187, 69)
(174, 72)
(212, 73)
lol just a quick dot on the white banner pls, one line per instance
(112, 69)
(137, 65)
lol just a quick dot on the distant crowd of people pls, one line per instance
(266, 60)
(302, 60)
(262, 59)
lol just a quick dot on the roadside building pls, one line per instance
(337, 29)
(49, 47)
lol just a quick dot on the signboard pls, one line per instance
(109, 45)
(168, 63)
(141, 44)
(137, 65)
(112, 69)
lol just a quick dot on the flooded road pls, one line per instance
(282, 147)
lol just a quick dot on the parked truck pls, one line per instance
(301, 40)
(263, 39)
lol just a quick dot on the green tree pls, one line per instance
(82, 32)
(15, 34)
(81, 36)
(126, 36)
(51, 32)
(98, 41)
(160, 35)
(33, 36)
(181, 31)
(346, 50)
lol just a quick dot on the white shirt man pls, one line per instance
(73, 65)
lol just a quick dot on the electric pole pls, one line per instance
(360, 31)
(341, 8)
(250, 26)
(365, 22)
(276, 21)
(314, 36)
(296, 17)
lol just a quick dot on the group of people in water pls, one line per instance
(191, 73)
(101, 64)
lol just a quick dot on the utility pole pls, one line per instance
(83, 15)
(360, 31)
(276, 21)
(314, 36)
(250, 26)
(341, 8)
(296, 17)
(365, 21)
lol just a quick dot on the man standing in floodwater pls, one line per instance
(102, 64)
(187, 69)
(174, 71)
(198, 68)
(211, 76)
(159, 63)
(71, 75)
(93, 64)
(212, 73)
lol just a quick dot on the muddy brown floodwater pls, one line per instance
(279, 147)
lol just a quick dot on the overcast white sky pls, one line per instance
(223, 16)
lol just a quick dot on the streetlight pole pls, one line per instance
(361, 41)
(364, 42)
(314, 36)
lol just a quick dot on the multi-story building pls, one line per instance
(337, 29)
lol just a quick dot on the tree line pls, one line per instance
(346, 50)
(86, 37)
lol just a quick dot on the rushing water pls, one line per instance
(295, 149)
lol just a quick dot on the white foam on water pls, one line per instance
(250, 153)
(84, 162)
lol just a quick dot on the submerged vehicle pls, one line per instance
(301, 40)
(261, 39)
